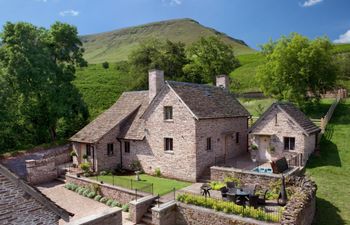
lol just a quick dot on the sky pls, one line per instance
(254, 21)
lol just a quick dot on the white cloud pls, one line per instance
(343, 38)
(69, 12)
(172, 2)
(310, 3)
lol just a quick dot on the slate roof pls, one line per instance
(295, 114)
(127, 104)
(207, 101)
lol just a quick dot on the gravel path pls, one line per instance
(79, 205)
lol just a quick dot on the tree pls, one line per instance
(296, 66)
(105, 65)
(208, 58)
(343, 63)
(166, 55)
(38, 67)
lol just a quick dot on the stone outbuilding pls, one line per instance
(21, 203)
(179, 128)
(283, 130)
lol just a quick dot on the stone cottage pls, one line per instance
(21, 203)
(177, 127)
(283, 130)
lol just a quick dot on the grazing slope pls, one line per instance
(116, 45)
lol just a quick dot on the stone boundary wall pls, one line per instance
(61, 155)
(41, 171)
(301, 208)
(111, 216)
(165, 214)
(194, 215)
(138, 208)
(246, 176)
(120, 194)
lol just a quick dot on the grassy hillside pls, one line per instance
(116, 45)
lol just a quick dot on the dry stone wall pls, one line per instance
(41, 171)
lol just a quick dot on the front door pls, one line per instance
(229, 147)
(264, 144)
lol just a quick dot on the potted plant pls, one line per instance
(271, 149)
(85, 157)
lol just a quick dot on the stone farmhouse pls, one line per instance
(177, 127)
(284, 130)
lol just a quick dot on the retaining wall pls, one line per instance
(111, 216)
(41, 171)
(120, 194)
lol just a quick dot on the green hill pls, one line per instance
(116, 45)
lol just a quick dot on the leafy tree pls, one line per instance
(343, 63)
(38, 66)
(295, 66)
(208, 58)
(105, 65)
(166, 55)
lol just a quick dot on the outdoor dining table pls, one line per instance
(238, 195)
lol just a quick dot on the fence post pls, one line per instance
(136, 193)
(131, 184)
(174, 193)
(152, 189)
(113, 178)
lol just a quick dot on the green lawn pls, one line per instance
(161, 186)
(331, 170)
(252, 105)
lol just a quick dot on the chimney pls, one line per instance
(155, 82)
(223, 81)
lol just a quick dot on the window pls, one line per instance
(127, 147)
(110, 149)
(276, 120)
(168, 112)
(289, 143)
(237, 137)
(208, 144)
(168, 144)
(88, 149)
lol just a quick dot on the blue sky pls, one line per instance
(254, 21)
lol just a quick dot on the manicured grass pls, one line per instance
(331, 170)
(252, 105)
(161, 185)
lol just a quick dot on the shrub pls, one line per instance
(216, 185)
(98, 198)
(105, 65)
(103, 173)
(229, 207)
(81, 191)
(233, 179)
(78, 189)
(86, 192)
(125, 208)
(85, 167)
(157, 172)
(95, 188)
(109, 202)
(103, 200)
(85, 156)
(116, 204)
(136, 165)
(73, 154)
(92, 194)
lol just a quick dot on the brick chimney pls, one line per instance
(223, 81)
(155, 82)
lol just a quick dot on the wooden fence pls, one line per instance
(328, 116)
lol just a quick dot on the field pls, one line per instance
(331, 170)
(161, 186)
(116, 45)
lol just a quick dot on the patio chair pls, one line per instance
(251, 189)
(253, 201)
(230, 185)
(224, 191)
(262, 197)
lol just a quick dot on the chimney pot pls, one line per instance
(223, 81)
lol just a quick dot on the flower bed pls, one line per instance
(93, 193)
(230, 207)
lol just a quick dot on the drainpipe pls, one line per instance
(121, 150)
(249, 118)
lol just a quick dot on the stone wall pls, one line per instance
(61, 155)
(165, 214)
(223, 140)
(194, 215)
(41, 171)
(139, 207)
(120, 194)
(248, 177)
(112, 216)
(300, 209)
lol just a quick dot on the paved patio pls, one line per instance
(79, 205)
